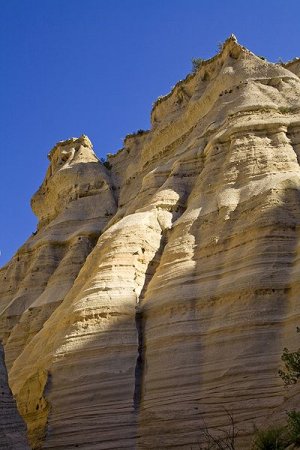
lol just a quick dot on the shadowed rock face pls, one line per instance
(159, 293)
(12, 427)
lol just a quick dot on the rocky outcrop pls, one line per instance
(73, 205)
(161, 287)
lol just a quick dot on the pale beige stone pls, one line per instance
(179, 296)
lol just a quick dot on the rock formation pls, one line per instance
(162, 286)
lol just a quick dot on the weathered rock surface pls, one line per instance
(12, 427)
(160, 291)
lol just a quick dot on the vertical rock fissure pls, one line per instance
(140, 324)
(139, 366)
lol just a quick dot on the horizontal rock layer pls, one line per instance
(12, 427)
(161, 287)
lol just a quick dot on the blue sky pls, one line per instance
(96, 66)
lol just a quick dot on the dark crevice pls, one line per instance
(139, 366)
(140, 324)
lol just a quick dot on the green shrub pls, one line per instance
(291, 360)
(274, 438)
(196, 63)
(293, 424)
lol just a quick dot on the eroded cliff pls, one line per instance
(161, 288)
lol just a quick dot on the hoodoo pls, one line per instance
(161, 286)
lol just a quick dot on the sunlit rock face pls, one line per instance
(161, 288)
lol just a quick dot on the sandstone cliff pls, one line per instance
(161, 288)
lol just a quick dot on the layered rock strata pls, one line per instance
(12, 427)
(161, 288)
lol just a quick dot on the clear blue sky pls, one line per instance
(95, 67)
